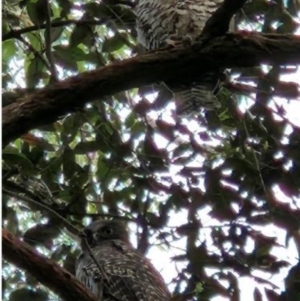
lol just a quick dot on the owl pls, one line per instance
(122, 273)
(163, 22)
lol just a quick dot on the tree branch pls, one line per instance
(48, 40)
(42, 206)
(233, 50)
(16, 33)
(46, 271)
(218, 24)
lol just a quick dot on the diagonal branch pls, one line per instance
(233, 50)
(42, 206)
(46, 271)
(17, 33)
(48, 40)
(218, 24)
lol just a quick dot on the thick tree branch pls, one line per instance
(233, 50)
(46, 271)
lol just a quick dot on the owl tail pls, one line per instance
(191, 100)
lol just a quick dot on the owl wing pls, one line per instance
(124, 276)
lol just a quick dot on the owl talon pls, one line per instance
(175, 41)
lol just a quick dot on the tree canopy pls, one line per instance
(89, 131)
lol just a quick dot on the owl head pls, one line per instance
(101, 231)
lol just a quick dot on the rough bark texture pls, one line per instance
(233, 50)
(46, 271)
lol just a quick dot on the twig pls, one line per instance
(17, 33)
(90, 251)
(36, 53)
(67, 224)
(256, 162)
(54, 77)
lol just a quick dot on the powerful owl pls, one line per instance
(163, 22)
(122, 273)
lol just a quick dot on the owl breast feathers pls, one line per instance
(122, 273)
(164, 22)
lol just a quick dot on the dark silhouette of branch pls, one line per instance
(46, 271)
(34, 51)
(49, 55)
(244, 49)
(16, 33)
(219, 22)
(42, 206)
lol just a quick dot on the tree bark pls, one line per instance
(46, 271)
(244, 49)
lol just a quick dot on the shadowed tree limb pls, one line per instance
(44, 270)
(218, 24)
(244, 49)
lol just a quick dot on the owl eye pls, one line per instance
(107, 231)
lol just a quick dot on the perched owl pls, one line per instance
(163, 22)
(124, 274)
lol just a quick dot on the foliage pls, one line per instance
(218, 192)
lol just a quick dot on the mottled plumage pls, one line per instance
(124, 274)
(161, 22)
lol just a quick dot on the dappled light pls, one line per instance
(91, 130)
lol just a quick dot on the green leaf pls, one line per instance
(34, 72)
(12, 157)
(37, 11)
(28, 294)
(87, 147)
(114, 43)
(79, 34)
(56, 31)
(41, 234)
(199, 288)
(9, 49)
